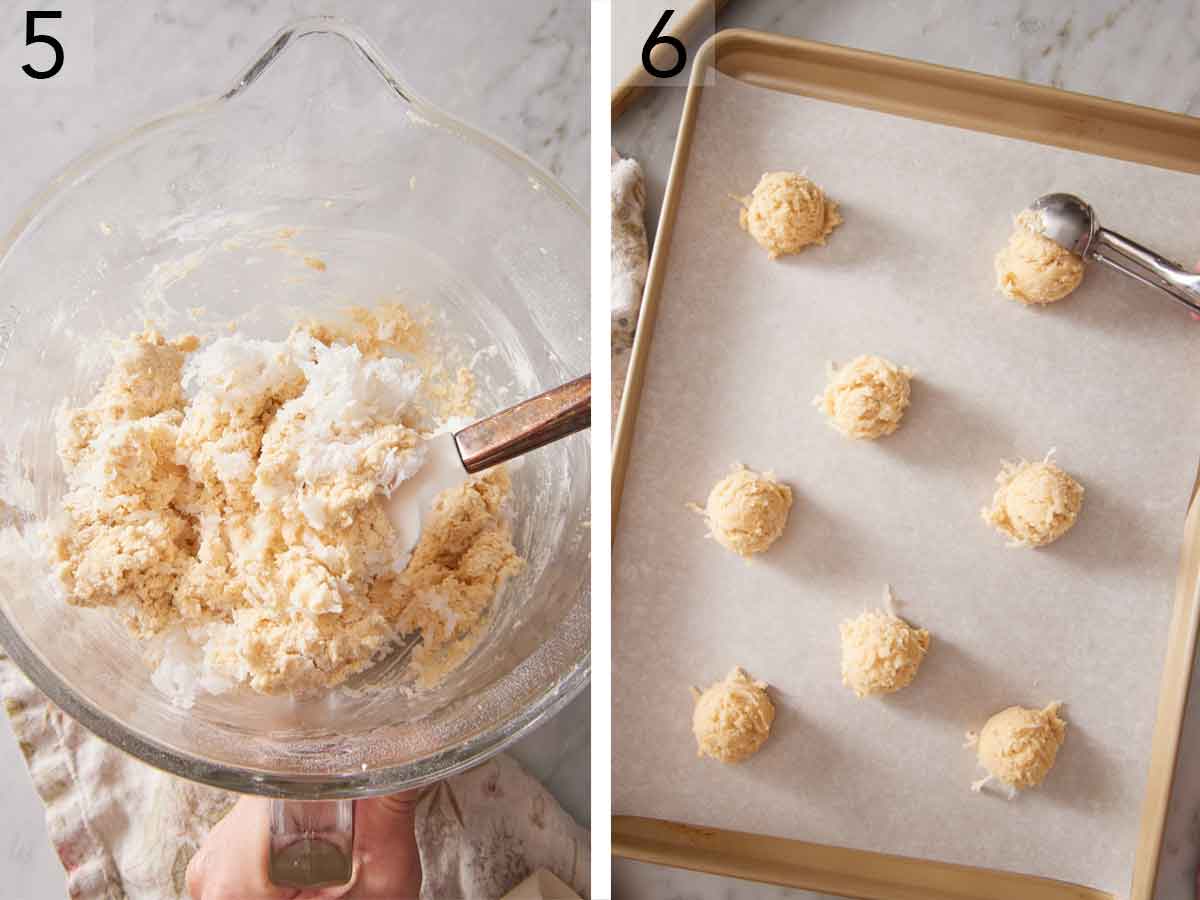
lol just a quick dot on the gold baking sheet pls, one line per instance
(1103, 376)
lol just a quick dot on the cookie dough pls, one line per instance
(732, 719)
(866, 398)
(746, 511)
(1018, 746)
(1032, 268)
(1035, 503)
(787, 212)
(227, 501)
(881, 653)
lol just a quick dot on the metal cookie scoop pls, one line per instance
(1071, 223)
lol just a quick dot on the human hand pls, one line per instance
(231, 864)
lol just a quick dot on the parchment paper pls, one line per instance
(740, 347)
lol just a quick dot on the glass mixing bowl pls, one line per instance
(318, 180)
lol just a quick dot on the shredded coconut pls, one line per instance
(228, 503)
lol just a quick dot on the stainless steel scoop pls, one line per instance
(1071, 223)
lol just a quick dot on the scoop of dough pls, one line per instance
(1032, 268)
(866, 398)
(732, 718)
(787, 212)
(1035, 504)
(1018, 746)
(747, 511)
(881, 653)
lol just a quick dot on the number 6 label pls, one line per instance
(657, 39)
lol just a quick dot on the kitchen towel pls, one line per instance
(630, 257)
(126, 831)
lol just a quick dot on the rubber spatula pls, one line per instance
(513, 432)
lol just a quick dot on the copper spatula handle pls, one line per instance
(526, 426)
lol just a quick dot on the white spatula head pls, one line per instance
(408, 505)
(450, 458)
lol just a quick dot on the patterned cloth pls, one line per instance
(630, 257)
(125, 831)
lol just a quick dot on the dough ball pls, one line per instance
(881, 653)
(866, 398)
(1032, 268)
(747, 511)
(1035, 504)
(787, 212)
(1018, 746)
(732, 718)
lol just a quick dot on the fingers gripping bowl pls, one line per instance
(318, 181)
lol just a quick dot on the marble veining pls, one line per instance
(1144, 51)
(517, 70)
(1138, 51)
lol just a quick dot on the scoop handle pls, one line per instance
(312, 843)
(1148, 267)
(534, 423)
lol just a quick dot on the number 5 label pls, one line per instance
(52, 48)
(32, 37)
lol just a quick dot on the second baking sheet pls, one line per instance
(739, 350)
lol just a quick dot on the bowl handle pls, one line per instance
(312, 842)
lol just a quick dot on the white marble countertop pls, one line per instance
(519, 71)
(1133, 50)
